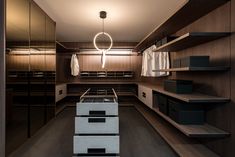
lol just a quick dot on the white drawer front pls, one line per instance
(145, 95)
(83, 143)
(92, 109)
(61, 92)
(96, 125)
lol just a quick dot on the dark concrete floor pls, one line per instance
(137, 137)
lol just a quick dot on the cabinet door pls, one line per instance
(50, 70)
(145, 95)
(37, 68)
(17, 66)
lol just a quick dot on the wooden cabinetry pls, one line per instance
(145, 95)
(30, 69)
(61, 92)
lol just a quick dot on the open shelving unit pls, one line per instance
(199, 69)
(189, 40)
(180, 143)
(189, 12)
(107, 74)
(198, 131)
(190, 98)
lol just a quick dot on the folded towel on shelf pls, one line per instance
(74, 65)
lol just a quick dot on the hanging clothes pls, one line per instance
(162, 62)
(154, 61)
(148, 61)
(74, 65)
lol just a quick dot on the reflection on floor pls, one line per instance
(138, 138)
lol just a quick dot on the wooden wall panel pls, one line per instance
(232, 107)
(50, 62)
(213, 83)
(221, 53)
(37, 62)
(93, 63)
(17, 62)
(2, 78)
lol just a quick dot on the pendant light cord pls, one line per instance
(103, 26)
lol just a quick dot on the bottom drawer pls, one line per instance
(93, 156)
(96, 145)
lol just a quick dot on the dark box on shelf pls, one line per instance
(162, 103)
(178, 86)
(195, 61)
(176, 63)
(184, 113)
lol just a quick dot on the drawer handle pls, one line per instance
(96, 120)
(97, 113)
(144, 94)
(60, 92)
(96, 150)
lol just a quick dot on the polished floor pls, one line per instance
(137, 137)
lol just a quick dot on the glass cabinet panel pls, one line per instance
(50, 60)
(37, 68)
(17, 73)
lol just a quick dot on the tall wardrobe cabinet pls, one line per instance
(30, 71)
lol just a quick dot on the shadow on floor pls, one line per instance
(137, 137)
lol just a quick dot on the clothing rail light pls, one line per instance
(103, 15)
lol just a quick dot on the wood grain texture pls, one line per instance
(199, 131)
(232, 105)
(90, 45)
(2, 78)
(183, 146)
(216, 83)
(205, 69)
(190, 40)
(93, 63)
(190, 98)
(190, 12)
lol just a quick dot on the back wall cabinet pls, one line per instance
(30, 67)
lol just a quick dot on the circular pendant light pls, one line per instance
(110, 38)
(103, 15)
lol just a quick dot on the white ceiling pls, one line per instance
(127, 20)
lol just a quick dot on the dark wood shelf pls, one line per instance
(107, 74)
(125, 93)
(191, 11)
(189, 98)
(102, 82)
(199, 131)
(194, 69)
(74, 94)
(180, 143)
(189, 40)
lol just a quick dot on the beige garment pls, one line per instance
(74, 64)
